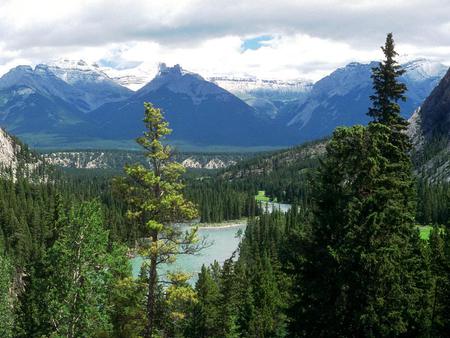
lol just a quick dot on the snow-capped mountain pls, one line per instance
(132, 78)
(75, 102)
(97, 87)
(179, 81)
(199, 112)
(76, 71)
(36, 100)
(342, 98)
(267, 96)
(262, 87)
(51, 102)
(424, 69)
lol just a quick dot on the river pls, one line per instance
(223, 241)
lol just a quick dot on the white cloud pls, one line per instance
(311, 38)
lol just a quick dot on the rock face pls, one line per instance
(114, 159)
(414, 130)
(429, 130)
(8, 150)
(435, 111)
(15, 158)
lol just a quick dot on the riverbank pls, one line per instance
(223, 225)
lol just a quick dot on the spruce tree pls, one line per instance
(360, 264)
(388, 91)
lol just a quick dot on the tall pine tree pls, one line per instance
(155, 200)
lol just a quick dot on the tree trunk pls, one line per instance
(151, 301)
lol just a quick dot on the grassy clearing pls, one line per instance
(261, 197)
(425, 231)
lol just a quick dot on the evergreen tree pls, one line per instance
(204, 320)
(387, 90)
(440, 264)
(359, 277)
(155, 199)
(82, 274)
(6, 298)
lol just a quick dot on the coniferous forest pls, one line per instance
(348, 258)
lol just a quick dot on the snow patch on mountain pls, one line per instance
(74, 71)
(237, 85)
(422, 69)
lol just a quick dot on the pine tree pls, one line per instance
(155, 199)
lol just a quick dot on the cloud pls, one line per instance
(308, 38)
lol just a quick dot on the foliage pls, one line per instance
(155, 200)
(6, 298)
(82, 273)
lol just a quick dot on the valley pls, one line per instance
(160, 203)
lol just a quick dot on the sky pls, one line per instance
(276, 39)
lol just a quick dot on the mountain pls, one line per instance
(342, 98)
(75, 104)
(430, 132)
(132, 78)
(36, 100)
(435, 111)
(48, 103)
(94, 85)
(199, 112)
(268, 97)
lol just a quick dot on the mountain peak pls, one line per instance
(176, 71)
(72, 64)
(180, 81)
(421, 68)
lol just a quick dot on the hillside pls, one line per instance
(16, 159)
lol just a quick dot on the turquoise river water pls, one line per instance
(224, 242)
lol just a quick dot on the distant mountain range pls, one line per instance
(73, 104)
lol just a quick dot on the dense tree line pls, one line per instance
(220, 201)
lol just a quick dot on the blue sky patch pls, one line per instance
(255, 43)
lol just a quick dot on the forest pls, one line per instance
(346, 260)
